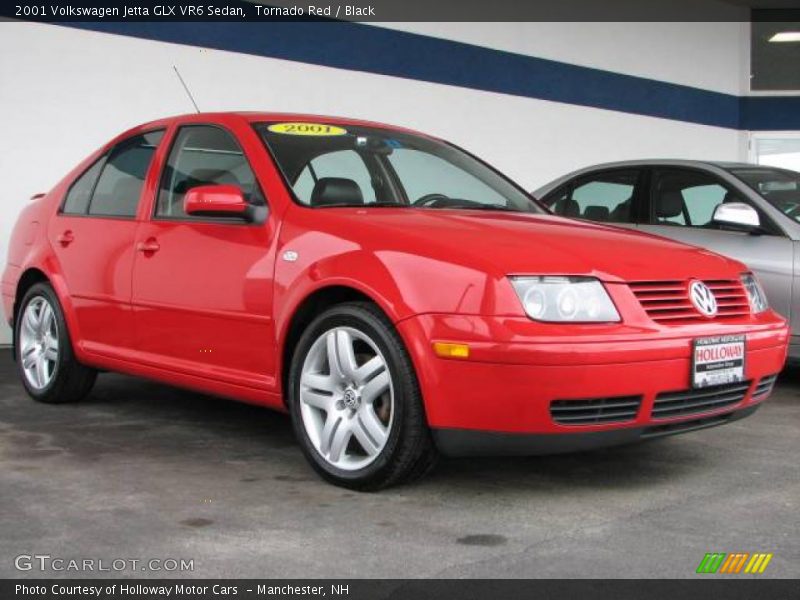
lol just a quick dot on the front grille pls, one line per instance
(690, 402)
(764, 387)
(596, 410)
(668, 301)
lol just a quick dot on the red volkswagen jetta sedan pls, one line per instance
(395, 294)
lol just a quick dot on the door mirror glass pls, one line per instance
(737, 215)
(215, 201)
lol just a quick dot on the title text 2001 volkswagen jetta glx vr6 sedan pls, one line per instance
(396, 295)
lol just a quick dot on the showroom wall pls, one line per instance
(66, 90)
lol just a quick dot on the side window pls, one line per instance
(342, 164)
(120, 184)
(79, 195)
(203, 155)
(558, 202)
(606, 197)
(688, 198)
(423, 174)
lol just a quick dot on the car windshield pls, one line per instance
(330, 165)
(779, 187)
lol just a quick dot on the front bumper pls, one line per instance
(499, 399)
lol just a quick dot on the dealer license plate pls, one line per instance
(718, 360)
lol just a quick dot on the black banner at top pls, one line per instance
(397, 10)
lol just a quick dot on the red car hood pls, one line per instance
(521, 243)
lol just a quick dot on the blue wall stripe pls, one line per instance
(762, 113)
(370, 49)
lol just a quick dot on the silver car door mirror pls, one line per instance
(737, 215)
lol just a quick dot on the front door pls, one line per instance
(202, 287)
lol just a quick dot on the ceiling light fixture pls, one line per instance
(786, 36)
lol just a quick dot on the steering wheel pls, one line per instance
(431, 200)
(793, 213)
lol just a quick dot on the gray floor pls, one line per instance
(142, 471)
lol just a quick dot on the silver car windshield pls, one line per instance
(779, 187)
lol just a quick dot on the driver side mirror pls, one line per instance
(737, 215)
(217, 201)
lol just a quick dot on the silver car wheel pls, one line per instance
(38, 343)
(346, 398)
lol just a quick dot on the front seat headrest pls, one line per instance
(336, 190)
(730, 197)
(597, 213)
(669, 204)
(571, 208)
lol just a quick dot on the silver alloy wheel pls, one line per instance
(38, 343)
(346, 398)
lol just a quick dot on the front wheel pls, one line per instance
(45, 359)
(355, 401)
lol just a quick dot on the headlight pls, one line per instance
(755, 293)
(565, 299)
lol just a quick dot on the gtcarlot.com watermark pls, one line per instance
(46, 562)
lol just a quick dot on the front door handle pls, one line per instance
(149, 246)
(66, 238)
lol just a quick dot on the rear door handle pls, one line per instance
(66, 238)
(148, 247)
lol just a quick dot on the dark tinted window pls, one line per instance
(774, 53)
(204, 155)
(120, 185)
(77, 200)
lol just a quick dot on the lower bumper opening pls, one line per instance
(469, 442)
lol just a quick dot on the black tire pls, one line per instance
(409, 452)
(71, 381)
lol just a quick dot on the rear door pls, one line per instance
(93, 238)
(610, 196)
(681, 206)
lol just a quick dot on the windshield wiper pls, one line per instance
(496, 207)
(379, 203)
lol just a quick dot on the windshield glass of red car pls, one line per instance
(329, 165)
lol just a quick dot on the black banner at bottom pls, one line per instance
(416, 589)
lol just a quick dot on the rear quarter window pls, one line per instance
(80, 194)
(120, 184)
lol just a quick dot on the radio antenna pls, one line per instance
(186, 87)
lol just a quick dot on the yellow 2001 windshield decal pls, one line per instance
(306, 129)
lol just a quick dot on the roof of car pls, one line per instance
(257, 116)
(649, 162)
(670, 161)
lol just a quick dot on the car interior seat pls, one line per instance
(669, 204)
(597, 213)
(336, 190)
(622, 212)
(571, 208)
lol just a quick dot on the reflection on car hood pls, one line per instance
(519, 243)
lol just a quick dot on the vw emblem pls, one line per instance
(351, 399)
(703, 298)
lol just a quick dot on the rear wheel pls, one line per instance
(355, 400)
(46, 362)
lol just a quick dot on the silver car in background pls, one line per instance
(749, 212)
